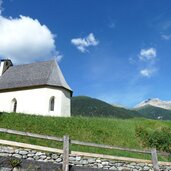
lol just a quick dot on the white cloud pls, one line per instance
(25, 40)
(147, 54)
(83, 43)
(147, 62)
(147, 72)
(166, 37)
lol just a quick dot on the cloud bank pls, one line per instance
(83, 43)
(25, 40)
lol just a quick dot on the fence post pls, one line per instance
(65, 166)
(154, 160)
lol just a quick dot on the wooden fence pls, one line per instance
(66, 149)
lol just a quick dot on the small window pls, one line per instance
(52, 103)
(14, 105)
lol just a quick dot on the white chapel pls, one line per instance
(38, 88)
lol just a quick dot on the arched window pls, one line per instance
(14, 105)
(52, 103)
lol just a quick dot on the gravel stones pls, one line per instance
(23, 152)
(77, 160)
(91, 160)
(5, 169)
(54, 156)
(4, 154)
(58, 160)
(17, 156)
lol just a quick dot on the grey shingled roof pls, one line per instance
(35, 74)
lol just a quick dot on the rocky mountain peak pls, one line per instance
(155, 102)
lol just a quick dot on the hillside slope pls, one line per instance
(86, 106)
(154, 112)
(109, 131)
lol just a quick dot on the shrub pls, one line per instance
(15, 163)
(159, 138)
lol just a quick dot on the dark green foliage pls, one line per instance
(155, 138)
(86, 106)
(153, 112)
(15, 162)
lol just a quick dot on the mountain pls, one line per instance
(118, 105)
(155, 102)
(153, 112)
(87, 106)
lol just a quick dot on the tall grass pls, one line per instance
(109, 131)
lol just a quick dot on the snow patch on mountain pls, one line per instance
(155, 102)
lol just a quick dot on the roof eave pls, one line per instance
(33, 87)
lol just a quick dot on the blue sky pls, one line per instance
(115, 50)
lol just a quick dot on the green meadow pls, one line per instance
(110, 131)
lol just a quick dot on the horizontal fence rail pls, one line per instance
(66, 142)
(28, 134)
(109, 147)
(30, 146)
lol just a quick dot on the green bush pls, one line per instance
(159, 138)
(15, 163)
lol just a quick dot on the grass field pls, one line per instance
(116, 132)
